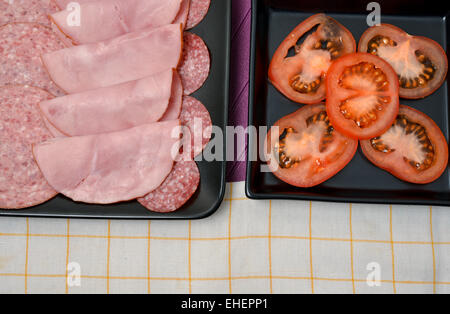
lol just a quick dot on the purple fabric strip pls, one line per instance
(240, 63)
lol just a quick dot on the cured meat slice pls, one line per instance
(106, 19)
(21, 182)
(111, 167)
(183, 13)
(29, 11)
(62, 4)
(113, 108)
(197, 12)
(21, 47)
(127, 58)
(196, 63)
(198, 9)
(196, 117)
(176, 190)
(64, 39)
(53, 130)
(176, 99)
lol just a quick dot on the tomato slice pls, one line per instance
(304, 150)
(298, 70)
(413, 149)
(421, 63)
(362, 95)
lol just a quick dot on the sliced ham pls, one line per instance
(62, 4)
(129, 57)
(176, 100)
(183, 13)
(111, 167)
(114, 108)
(106, 19)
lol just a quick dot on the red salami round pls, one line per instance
(22, 184)
(30, 11)
(196, 63)
(197, 12)
(176, 190)
(21, 47)
(196, 117)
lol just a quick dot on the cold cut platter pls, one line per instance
(107, 106)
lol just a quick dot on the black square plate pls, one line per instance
(215, 31)
(360, 181)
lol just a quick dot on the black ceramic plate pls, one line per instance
(360, 181)
(215, 31)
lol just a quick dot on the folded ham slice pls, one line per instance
(101, 20)
(129, 57)
(111, 167)
(114, 108)
(62, 4)
(173, 111)
(183, 13)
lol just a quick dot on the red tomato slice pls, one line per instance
(304, 150)
(413, 149)
(420, 62)
(301, 77)
(362, 95)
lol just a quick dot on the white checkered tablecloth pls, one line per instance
(246, 247)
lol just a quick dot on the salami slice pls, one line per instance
(22, 184)
(195, 64)
(176, 190)
(197, 12)
(21, 47)
(30, 11)
(196, 117)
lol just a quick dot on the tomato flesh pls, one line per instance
(413, 149)
(301, 77)
(362, 95)
(304, 150)
(420, 63)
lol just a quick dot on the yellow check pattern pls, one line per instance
(246, 247)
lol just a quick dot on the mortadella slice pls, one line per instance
(127, 58)
(111, 167)
(51, 128)
(114, 108)
(101, 20)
